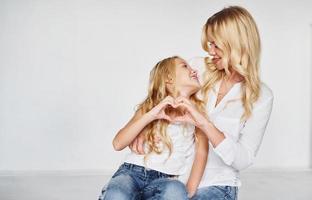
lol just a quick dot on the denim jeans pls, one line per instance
(216, 193)
(133, 182)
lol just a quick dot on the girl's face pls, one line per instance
(215, 52)
(186, 79)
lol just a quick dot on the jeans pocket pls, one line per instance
(228, 191)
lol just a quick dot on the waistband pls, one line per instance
(142, 169)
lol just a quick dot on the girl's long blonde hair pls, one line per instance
(235, 33)
(157, 91)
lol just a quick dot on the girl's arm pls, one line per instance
(135, 126)
(138, 122)
(199, 162)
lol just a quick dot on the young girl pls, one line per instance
(171, 140)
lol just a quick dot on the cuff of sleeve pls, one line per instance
(226, 150)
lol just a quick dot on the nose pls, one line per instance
(211, 50)
(193, 71)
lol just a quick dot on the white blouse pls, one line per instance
(242, 138)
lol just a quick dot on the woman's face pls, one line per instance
(215, 52)
(186, 79)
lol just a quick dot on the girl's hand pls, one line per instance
(192, 115)
(137, 145)
(158, 112)
(191, 190)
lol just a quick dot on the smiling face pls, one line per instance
(186, 78)
(215, 53)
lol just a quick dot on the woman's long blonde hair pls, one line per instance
(157, 91)
(235, 33)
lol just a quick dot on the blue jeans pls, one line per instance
(133, 182)
(216, 193)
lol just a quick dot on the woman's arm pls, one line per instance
(240, 154)
(199, 163)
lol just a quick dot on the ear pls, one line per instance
(169, 79)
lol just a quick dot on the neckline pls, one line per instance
(225, 97)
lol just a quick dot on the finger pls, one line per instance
(179, 100)
(171, 100)
(181, 97)
(135, 145)
(189, 108)
(171, 103)
(131, 145)
(183, 105)
(165, 103)
(140, 144)
(169, 97)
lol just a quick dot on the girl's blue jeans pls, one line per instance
(133, 182)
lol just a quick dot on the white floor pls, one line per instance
(257, 185)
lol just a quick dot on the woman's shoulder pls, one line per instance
(265, 91)
(266, 95)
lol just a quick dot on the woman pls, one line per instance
(238, 104)
(170, 145)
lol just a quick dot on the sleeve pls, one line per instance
(240, 154)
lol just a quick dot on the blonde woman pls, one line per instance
(238, 104)
(162, 170)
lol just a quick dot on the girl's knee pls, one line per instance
(120, 187)
(174, 190)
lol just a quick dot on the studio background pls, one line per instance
(72, 72)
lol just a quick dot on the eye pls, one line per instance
(184, 65)
(212, 44)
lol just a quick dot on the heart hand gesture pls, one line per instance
(192, 115)
(158, 112)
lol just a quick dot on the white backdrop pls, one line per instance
(72, 71)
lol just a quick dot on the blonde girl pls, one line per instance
(170, 145)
